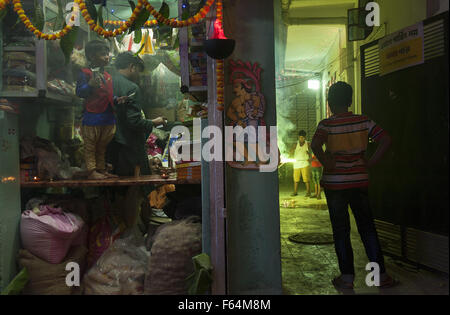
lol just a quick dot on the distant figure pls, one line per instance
(346, 180)
(316, 175)
(302, 156)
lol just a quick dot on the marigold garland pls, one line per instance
(119, 23)
(100, 30)
(220, 70)
(159, 18)
(177, 23)
(23, 17)
(124, 26)
(220, 75)
(3, 4)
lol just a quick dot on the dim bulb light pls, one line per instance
(313, 84)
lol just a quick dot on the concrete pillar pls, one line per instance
(252, 201)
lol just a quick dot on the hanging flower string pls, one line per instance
(177, 23)
(220, 84)
(100, 30)
(3, 4)
(24, 18)
(120, 23)
(220, 70)
(124, 26)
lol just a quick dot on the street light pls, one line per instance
(313, 84)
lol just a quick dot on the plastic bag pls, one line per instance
(200, 280)
(103, 233)
(49, 233)
(120, 270)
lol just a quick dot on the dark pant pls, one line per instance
(124, 161)
(358, 199)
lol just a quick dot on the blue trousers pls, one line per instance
(358, 200)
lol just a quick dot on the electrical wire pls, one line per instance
(320, 68)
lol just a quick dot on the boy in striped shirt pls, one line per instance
(345, 179)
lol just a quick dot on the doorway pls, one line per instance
(314, 59)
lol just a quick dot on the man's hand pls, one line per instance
(159, 121)
(383, 145)
(122, 99)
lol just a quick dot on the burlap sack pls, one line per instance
(173, 246)
(50, 279)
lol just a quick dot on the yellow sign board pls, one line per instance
(401, 49)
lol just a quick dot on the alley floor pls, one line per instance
(308, 269)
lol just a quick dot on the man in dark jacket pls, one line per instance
(127, 150)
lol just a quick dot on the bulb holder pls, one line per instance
(219, 48)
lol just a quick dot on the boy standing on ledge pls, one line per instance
(98, 124)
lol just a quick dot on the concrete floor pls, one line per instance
(308, 269)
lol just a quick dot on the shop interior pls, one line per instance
(39, 90)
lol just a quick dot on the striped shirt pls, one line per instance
(346, 137)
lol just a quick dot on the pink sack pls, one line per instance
(49, 234)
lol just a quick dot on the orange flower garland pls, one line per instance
(220, 73)
(124, 26)
(177, 23)
(23, 17)
(220, 80)
(119, 23)
(100, 30)
(3, 4)
(144, 3)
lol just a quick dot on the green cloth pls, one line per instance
(128, 146)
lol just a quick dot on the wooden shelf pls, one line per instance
(198, 88)
(50, 97)
(122, 181)
(19, 48)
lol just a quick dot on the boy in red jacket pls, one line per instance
(98, 124)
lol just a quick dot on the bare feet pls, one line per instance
(96, 175)
(108, 175)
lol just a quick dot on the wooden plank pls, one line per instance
(218, 230)
(122, 181)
